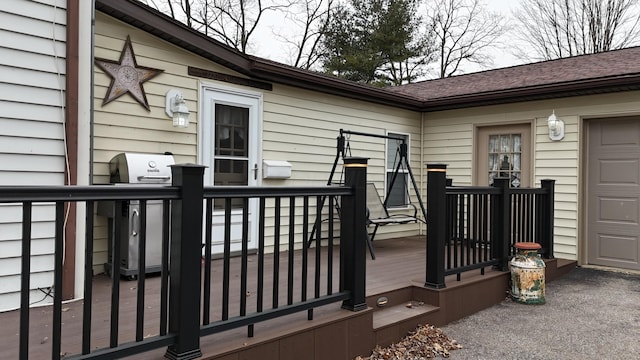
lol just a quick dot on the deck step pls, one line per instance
(402, 312)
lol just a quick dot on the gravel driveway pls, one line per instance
(589, 314)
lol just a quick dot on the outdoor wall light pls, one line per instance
(556, 127)
(176, 108)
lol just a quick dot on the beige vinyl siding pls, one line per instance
(124, 125)
(32, 80)
(449, 139)
(301, 127)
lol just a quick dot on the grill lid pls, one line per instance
(138, 168)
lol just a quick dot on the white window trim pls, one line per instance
(405, 171)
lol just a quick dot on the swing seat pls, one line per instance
(378, 215)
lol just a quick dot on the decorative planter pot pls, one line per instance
(527, 274)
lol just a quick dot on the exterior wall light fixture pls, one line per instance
(176, 108)
(556, 127)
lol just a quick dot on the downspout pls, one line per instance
(85, 23)
(422, 167)
(92, 87)
(70, 123)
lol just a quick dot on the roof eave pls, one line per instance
(335, 86)
(141, 16)
(540, 92)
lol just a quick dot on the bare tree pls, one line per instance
(562, 28)
(308, 21)
(464, 32)
(232, 22)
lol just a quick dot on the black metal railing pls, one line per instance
(480, 225)
(182, 316)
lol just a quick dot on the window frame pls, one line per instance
(402, 171)
(481, 146)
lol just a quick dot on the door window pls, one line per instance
(505, 158)
(503, 151)
(231, 159)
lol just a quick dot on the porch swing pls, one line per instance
(377, 212)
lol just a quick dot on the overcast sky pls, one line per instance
(268, 47)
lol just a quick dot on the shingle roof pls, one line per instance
(576, 73)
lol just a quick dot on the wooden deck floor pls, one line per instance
(400, 262)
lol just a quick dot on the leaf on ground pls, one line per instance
(425, 342)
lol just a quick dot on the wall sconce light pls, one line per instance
(176, 108)
(556, 127)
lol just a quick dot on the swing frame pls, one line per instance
(343, 146)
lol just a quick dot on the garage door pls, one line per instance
(614, 192)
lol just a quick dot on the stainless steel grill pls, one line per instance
(140, 169)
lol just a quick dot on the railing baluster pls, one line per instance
(25, 279)
(474, 231)
(243, 259)
(226, 268)
(260, 285)
(57, 281)
(513, 213)
(164, 282)
(467, 231)
(318, 258)
(290, 269)
(330, 247)
(526, 220)
(305, 252)
(142, 251)
(276, 254)
(206, 296)
(451, 226)
(115, 273)
(88, 279)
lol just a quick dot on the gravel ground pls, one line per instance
(589, 314)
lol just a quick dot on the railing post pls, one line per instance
(184, 283)
(353, 234)
(501, 223)
(548, 209)
(436, 224)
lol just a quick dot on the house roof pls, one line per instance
(589, 74)
(611, 71)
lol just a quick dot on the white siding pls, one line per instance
(449, 139)
(32, 80)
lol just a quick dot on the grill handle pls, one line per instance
(134, 224)
(154, 177)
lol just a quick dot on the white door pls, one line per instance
(229, 141)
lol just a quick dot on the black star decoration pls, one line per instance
(126, 76)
